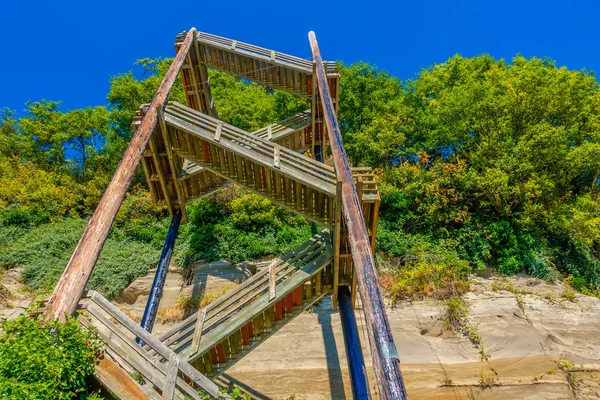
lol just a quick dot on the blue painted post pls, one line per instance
(356, 363)
(161, 274)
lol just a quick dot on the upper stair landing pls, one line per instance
(292, 133)
(266, 67)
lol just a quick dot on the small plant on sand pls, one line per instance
(568, 294)
(486, 381)
(506, 285)
(186, 306)
(456, 320)
(446, 380)
(233, 392)
(574, 382)
(563, 364)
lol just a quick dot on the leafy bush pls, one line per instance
(46, 250)
(424, 267)
(236, 245)
(45, 361)
(253, 212)
(30, 195)
(240, 226)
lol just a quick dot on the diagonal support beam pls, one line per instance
(69, 289)
(386, 362)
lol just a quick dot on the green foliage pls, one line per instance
(479, 161)
(498, 159)
(29, 195)
(253, 212)
(244, 228)
(45, 252)
(46, 361)
(422, 267)
(456, 319)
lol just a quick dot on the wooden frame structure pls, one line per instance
(187, 153)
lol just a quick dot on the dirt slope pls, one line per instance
(545, 346)
(306, 359)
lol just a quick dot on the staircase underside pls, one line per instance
(217, 336)
(192, 154)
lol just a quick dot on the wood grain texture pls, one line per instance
(117, 382)
(385, 363)
(72, 283)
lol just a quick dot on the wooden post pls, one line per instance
(386, 362)
(72, 283)
(337, 242)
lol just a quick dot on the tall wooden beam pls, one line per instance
(386, 362)
(69, 289)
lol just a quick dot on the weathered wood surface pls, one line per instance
(72, 283)
(249, 299)
(293, 181)
(171, 381)
(118, 382)
(385, 357)
(266, 67)
(156, 366)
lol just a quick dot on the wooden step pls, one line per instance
(292, 180)
(220, 334)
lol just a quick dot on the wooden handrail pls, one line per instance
(248, 292)
(141, 357)
(386, 362)
(68, 291)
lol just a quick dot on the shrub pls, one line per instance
(425, 267)
(45, 361)
(46, 250)
(252, 212)
(30, 195)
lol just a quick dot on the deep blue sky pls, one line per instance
(65, 50)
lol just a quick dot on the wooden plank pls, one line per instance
(155, 344)
(161, 176)
(337, 242)
(257, 145)
(120, 342)
(218, 131)
(77, 273)
(386, 363)
(248, 295)
(117, 382)
(276, 157)
(171, 381)
(261, 304)
(299, 256)
(272, 281)
(198, 332)
(174, 169)
(287, 204)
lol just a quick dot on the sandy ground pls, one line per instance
(14, 298)
(306, 358)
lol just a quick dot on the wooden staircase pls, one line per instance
(227, 153)
(187, 153)
(292, 133)
(216, 337)
(160, 375)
